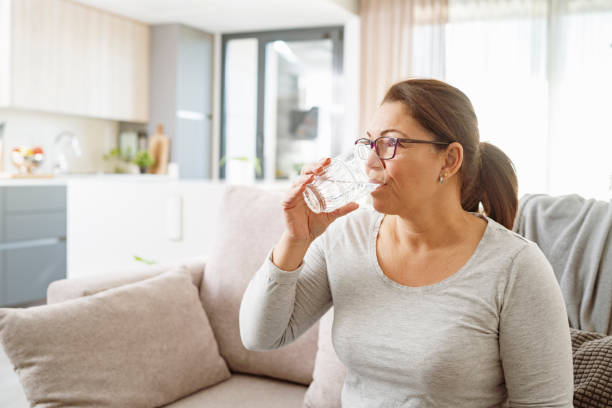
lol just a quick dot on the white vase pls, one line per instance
(240, 172)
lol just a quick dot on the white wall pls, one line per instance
(5, 51)
(28, 128)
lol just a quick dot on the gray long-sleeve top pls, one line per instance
(494, 333)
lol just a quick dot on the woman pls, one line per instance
(435, 303)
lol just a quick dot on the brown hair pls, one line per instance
(487, 173)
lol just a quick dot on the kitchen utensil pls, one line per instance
(66, 150)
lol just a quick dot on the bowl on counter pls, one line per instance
(27, 159)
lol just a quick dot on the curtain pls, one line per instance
(580, 97)
(538, 73)
(496, 54)
(399, 38)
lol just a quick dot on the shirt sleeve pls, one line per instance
(278, 306)
(534, 336)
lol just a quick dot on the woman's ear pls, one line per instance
(452, 159)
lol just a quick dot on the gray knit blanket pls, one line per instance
(574, 234)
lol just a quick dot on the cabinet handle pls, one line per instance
(31, 243)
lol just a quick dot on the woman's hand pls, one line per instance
(302, 225)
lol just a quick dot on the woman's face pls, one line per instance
(411, 177)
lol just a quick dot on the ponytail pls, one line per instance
(496, 187)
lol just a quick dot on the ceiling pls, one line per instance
(228, 16)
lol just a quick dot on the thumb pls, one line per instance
(343, 210)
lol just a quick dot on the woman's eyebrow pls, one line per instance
(384, 132)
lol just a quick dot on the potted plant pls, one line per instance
(241, 169)
(119, 161)
(143, 160)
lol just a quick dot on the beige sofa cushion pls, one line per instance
(325, 391)
(250, 223)
(73, 288)
(140, 345)
(246, 391)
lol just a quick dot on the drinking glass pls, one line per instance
(347, 178)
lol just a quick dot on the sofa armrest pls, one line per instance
(66, 289)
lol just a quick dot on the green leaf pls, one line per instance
(222, 161)
(147, 261)
(143, 159)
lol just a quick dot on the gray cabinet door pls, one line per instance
(181, 94)
(2, 194)
(35, 198)
(28, 271)
(2, 280)
(194, 90)
(32, 242)
(22, 227)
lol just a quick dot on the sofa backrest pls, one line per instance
(574, 234)
(250, 222)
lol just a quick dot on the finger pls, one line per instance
(322, 164)
(344, 210)
(295, 194)
(316, 167)
(302, 180)
(310, 168)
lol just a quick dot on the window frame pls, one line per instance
(333, 33)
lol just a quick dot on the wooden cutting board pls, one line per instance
(159, 148)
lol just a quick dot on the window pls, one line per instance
(538, 75)
(279, 96)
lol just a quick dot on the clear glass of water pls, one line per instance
(347, 178)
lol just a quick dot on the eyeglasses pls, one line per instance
(386, 146)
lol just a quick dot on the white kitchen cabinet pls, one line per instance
(110, 220)
(65, 57)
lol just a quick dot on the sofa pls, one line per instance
(88, 341)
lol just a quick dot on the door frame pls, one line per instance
(333, 33)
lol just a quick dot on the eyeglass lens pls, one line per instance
(385, 147)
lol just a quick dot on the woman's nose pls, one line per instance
(375, 168)
(373, 161)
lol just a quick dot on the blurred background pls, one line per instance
(122, 121)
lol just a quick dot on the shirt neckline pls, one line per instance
(426, 288)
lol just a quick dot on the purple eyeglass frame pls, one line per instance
(373, 145)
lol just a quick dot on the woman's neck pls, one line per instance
(430, 229)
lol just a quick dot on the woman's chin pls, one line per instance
(378, 204)
(383, 203)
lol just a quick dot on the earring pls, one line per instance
(441, 179)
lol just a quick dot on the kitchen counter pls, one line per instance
(111, 218)
(63, 180)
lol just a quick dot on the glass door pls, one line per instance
(298, 102)
(280, 109)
